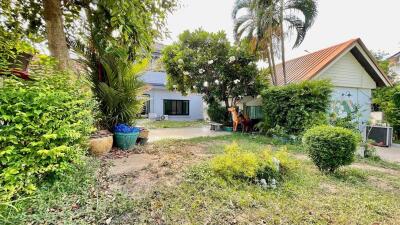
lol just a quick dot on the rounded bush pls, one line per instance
(330, 147)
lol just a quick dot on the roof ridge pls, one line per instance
(324, 49)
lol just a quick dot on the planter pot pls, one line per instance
(126, 141)
(229, 129)
(101, 143)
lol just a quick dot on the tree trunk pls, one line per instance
(56, 38)
(226, 103)
(283, 45)
(273, 59)
(270, 35)
(273, 75)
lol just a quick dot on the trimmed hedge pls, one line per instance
(44, 128)
(296, 107)
(330, 147)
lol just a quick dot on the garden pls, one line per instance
(73, 148)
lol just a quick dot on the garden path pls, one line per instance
(391, 154)
(183, 133)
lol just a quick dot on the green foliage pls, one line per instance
(76, 193)
(349, 121)
(138, 21)
(44, 126)
(236, 163)
(330, 147)
(383, 62)
(133, 24)
(218, 113)
(386, 99)
(11, 46)
(118, 88)
(296, 107)
(207, 63)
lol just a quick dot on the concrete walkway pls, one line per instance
(183, 133)
(391, 154)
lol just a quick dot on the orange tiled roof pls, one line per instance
(307, 66)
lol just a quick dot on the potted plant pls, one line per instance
(101, 142)
(125, 136)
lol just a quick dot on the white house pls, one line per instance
(163, 102)
(394, 66)
(351, 68)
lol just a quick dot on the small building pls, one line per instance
(394, 66)
(162, 102)
(350, 67)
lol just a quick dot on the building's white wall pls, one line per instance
(347, 72)
(396, 69)
(158, 94)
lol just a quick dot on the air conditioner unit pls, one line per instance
(381, 135)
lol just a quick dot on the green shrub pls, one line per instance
(296, 107)
(44, 126)
(237, 163)
(116, 84)
(218, 113)
(330, 147)
(388, 101)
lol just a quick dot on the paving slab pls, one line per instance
(391, 154)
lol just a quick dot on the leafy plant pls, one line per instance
(207, 63)
(44, 126)
(116, 84)
(330, 147)
(349, 121)
(387, 99)
(11, 46)
(218, 113)
(296, 107)
(237, 163)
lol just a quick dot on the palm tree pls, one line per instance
(264, 22)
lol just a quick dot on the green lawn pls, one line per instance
(152, 124)
(369, 195)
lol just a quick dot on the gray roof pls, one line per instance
(155, 78)
(395, 55)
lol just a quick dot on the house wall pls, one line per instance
(158, 94)
(345, 100)
(347, 72)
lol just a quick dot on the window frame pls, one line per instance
(176, 100)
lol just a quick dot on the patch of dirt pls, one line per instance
(381, 184)
(138, 172)
(375, 168)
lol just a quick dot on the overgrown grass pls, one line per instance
(350, 196)
(71, 199)
(152, 124)
(306, 197)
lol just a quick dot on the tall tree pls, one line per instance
(207, 63)
(266, 19)
(57, 41)
(61, 23)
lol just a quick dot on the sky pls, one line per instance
(377, 23)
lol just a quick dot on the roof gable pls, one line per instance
(397, 55)
(310, 65)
